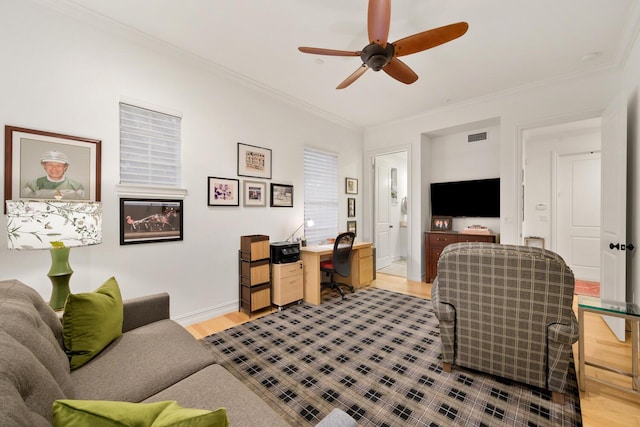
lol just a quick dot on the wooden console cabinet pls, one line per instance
(288, 283)
(435, 242)
(255, 273)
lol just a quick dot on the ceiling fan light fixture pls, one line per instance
(376, 56)
(382, 55)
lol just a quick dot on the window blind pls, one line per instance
(149, 147)
(320, 195)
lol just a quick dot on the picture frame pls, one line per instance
(281, 195)
(351, 185)
(223, 191)
(254, 193)
(150, 220)
(253, 161)
(26, 170)
(352, 226)
(351, 207)
(441, 223)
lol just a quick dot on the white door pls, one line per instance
(578, 213)
(382, 212)
(614, 209)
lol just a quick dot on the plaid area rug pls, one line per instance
(376, 355)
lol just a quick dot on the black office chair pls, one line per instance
(339, 264)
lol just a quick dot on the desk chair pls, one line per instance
(339, 264)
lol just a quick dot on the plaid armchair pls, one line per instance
(506, 310)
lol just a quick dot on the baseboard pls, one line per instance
(206, 314)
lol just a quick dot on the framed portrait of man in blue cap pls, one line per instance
(47, 165)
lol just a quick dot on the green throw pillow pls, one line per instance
(91, 321)
(102, 413)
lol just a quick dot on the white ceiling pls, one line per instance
(510, 43)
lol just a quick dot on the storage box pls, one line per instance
(255, 245)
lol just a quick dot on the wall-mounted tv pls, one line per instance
(477, 198)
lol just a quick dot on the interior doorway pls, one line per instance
(390, 215)
(561, 193)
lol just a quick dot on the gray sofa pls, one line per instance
(506, 310)
(155, 359)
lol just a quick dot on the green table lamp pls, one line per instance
(57, 226)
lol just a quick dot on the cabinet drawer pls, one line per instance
(288, 290)
(282, 271)
(441, 240)
(475, 238)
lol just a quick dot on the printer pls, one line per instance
(284, 252)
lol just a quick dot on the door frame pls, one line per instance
(369, 200)
(522, 129)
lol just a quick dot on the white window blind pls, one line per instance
(149, 147)
(320, 195)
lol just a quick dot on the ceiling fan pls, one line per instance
(380, 55)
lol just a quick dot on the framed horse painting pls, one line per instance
(150, 220)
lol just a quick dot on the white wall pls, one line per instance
(63, 75)
(558, 101)
(453, 158)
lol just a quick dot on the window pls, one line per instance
(149, 147)
(320, 195)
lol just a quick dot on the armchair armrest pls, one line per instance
(145, 310)
(564, 334)
(444, 312)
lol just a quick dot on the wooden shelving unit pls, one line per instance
(255, 273)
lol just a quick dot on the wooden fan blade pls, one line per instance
(353, 77)
(428, 39)
(400, 71)
(378, 21)
(331, 52)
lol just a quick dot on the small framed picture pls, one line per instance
(255, 193)
(441, 223)
(254, 161)
(149, 221)
(282, 195)
(352, 226)
(351, 207)
(223, 191)
(351, 185)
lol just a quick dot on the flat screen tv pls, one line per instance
(477, 198)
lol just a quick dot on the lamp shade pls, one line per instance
(45, 224)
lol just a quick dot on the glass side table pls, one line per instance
(625, 310)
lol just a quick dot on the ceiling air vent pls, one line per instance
(477, 137)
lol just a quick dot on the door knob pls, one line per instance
(622, 247)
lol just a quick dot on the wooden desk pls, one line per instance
(361, 268)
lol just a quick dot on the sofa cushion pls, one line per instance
(214, 387)
(27, 388)
(101, 413)
(144, 360)
(34, 370)
(91, 321)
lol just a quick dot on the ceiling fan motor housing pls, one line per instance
(376, 56)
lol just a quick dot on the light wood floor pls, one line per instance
(601, 405)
